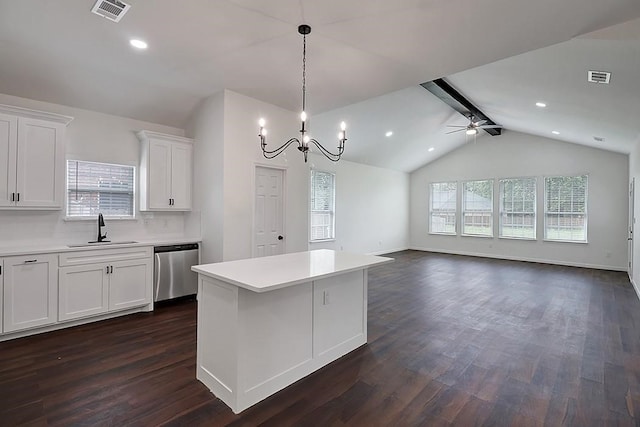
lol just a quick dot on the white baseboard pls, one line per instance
(388, 251)
(518, 258)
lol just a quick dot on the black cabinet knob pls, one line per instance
(280, 237)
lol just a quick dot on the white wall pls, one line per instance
(95, 137)
(206, 126)
(372, 203)
(242, 154)
(372, 207)
(227, 151)
(519, 155)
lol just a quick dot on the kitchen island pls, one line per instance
(264, 323)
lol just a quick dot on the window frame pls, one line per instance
(535, 207)
(446, 212)
(585, 214)
(93, 217)
(463, 209)
(332, 212)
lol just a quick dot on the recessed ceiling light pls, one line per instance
(555, 132)
(540, 104)
(431, 149)
(388, 134)
(138, 44)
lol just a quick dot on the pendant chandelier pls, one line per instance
(304, 140)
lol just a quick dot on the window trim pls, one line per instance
(462, 208)
(430, 210)
(134, 215)
(535, 209)
(586, 210)
(333, 211)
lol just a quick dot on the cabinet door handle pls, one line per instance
(17, 197)
(107, 269)
(13, 197)
(30, 261)
(111, 270)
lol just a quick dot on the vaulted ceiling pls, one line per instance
(365, 62)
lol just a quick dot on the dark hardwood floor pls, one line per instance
(452, 341)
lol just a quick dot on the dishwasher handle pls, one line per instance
(176, 248)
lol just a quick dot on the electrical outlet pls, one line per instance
(325, 298)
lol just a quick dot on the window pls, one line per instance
(323, 189)
(565, 208)
(442, 212)
(518, 208)
(94, 188)
(477, 208)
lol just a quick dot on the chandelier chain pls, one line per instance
(304, 72)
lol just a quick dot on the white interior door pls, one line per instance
(632, 220)
(268, 222)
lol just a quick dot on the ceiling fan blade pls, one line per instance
(479, 123)
(454, 131)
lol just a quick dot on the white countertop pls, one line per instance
(44, 248)
(279, 271)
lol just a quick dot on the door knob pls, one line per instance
(280, 237)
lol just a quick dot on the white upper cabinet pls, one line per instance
(165, 172)
(31, 158)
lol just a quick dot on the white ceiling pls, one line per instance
(365, 60)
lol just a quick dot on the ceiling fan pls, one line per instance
(472, 127)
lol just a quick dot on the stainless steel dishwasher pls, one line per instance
(172, 275)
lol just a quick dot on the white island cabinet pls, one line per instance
(264, 323)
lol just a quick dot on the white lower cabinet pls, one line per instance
(84, 291)
(128, 284)
(100, 281)
(1, 294)
(30, 292)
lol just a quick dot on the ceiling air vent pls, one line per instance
(599, 77)
(113, 10)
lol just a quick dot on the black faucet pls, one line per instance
(101, 238)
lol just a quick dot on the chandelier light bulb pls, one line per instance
(343, 126)
(262, 122)
(263, 132)
(305, 139)
(340, 135)
(303, 116)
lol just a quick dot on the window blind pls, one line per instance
(518, 208)
(565, 208)
(477, 207)
(94, 188)
(442, 212)
(322, 205)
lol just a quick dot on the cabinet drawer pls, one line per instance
(104, 255)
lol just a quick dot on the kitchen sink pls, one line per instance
(119, 242)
